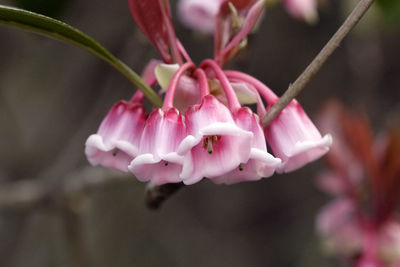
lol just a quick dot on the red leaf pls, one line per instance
(148, 15)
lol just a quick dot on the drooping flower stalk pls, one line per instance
(269, 96)
(227, 87)
(168, 100)
(203, 82)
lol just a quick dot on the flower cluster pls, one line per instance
(203, 128)
(361, 224)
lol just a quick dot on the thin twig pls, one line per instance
(312, 69)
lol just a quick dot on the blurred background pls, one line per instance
(53, 96)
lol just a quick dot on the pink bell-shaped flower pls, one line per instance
(302, 9)
(158, 161)
(261, 163)
(199, 14)
(117, 140)
(295, 139)
(215, 145)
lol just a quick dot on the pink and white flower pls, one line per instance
(116, 142)
(158, 161)
(214, 145)
(261, 163)
(295, 139)
(302, 9)
(199, 14)
(338, 224)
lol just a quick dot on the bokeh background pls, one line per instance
(53, 95)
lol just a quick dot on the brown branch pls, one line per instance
(312, 69)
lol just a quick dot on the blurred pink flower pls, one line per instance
(199, 14)
(302, 9)
(365, 176)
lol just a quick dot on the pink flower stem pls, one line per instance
(226, 86)
(269, 96)
(183, 52)
(261, 111)
(169, 97)
(176, 56)
(203, 82)
(137, 97)
(251, 19)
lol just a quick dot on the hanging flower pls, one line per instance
(199, 14)
(116, 142)
(292, 136)
(302, 9)
(295, 139)
(215, 144)
(157, 160)
(261, 163)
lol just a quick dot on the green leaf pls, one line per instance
(59, 30)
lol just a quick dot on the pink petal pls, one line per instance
(389, 242)
(232, 144)
(158, 161)
(295, 139)
(302, 9)
(338, 224)
(261, 163)
(199, 14)
(117, 140)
